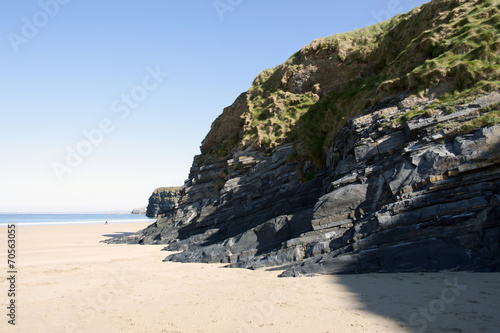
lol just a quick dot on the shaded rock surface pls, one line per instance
(416, 196)
(163, 200)
(430, 200)
(371, 151)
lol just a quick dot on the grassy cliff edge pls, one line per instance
(447, 49)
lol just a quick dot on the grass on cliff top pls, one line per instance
(275, 111)
(273, 118)
(161, 191)
(446, 43)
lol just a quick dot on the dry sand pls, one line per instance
(69, 282)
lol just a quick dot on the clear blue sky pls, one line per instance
(70, 66)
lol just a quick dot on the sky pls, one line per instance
(101, 102)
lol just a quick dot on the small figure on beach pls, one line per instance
(106, 222)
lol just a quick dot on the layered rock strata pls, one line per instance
(376, 150)
(415, 196)
(163, 200)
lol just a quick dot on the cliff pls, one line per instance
(375, 150)
(163, 200)
(139, 211)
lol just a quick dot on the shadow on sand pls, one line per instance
(118, 234)
(430, 302)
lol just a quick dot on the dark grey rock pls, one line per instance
(163, 199)
(387, 200)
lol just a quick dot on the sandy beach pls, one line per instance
(67, 281)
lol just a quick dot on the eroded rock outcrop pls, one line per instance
(163, 200)
(139, 211)
(413, 197)
(392, 198)
(409, 181)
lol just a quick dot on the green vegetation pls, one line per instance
(171, 194)
(273, 115)
(487, 117)
(226, 146)
(308, 177)
(449, 100)
(450, 46)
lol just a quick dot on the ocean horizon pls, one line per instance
(33, 219)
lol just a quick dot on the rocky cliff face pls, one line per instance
(408, 182)
(163, 200)
(412, 197)
(139, 211)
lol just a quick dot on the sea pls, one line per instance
(70, 219)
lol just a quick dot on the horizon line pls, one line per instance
(73, 212)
